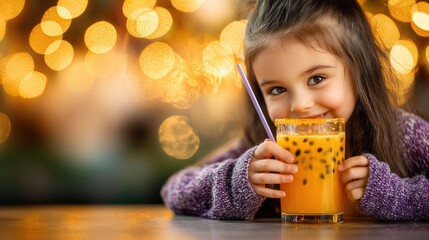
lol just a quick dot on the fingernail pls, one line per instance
(289, 178)
(290, 156)
(294, 169)
(340, 167)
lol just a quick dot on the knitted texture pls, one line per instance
(220, 188)
(391, 198)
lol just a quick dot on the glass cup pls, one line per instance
(316, 194)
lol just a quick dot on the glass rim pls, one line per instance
(307, 121)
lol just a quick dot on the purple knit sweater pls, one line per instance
(220, 189)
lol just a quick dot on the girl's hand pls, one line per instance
(263, 169)
(354, 174)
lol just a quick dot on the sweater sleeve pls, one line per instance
(390, 197)
(218, 190)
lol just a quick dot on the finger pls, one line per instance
(269, 149)
(270, 178)
(355, 194)
(358, 161)
(271, 165)
(268, 192)
(354, 173)
(361, 183)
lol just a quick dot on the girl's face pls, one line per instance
(299, 81)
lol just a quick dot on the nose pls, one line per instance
(300, 103)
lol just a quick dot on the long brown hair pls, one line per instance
(340, 27)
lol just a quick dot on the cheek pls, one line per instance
(333, 99)
(340, 101)
(276, 110)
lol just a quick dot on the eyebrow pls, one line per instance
(314, 68)
(306, 72)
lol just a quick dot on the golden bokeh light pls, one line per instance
(75, 8)
(427, 54)
(218, 62)
(102, 65)
(64, 13)
(214, 13)
(368, 15)
(177, 138)
(403, 56)
(77, 78)
(33, 85)
(419, 31)
(233, 81)
(5, 127)
(130, 6)
(187, 5)
(100, 37)
(59, 55)
(361, 2)
(11, 87)
(165, 21)
(53, 24)
(147, 23)
(407, 81)
(10, 8)
(40, 41)
(14, 68)
(401, 9)
(401, 59)
(2, 29)
(385, 30)
(3, 63)
(157, 60)
(142, 22)
(420, 15)
(402, 88)
(51, 28)
(232, 37)
(183, 86)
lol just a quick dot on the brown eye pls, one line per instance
(277, 90)
(315, 80)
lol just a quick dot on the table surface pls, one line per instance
(157, 222)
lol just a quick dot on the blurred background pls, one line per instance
(102, 100)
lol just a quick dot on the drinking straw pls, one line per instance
(255, 102)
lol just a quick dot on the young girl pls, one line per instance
(314, 59)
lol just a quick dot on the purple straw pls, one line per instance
(255, 102)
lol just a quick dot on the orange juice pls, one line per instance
(316, 193)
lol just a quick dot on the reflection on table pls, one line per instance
(156, 222)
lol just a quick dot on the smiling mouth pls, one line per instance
(323, 115)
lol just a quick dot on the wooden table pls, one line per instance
(156, 222)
